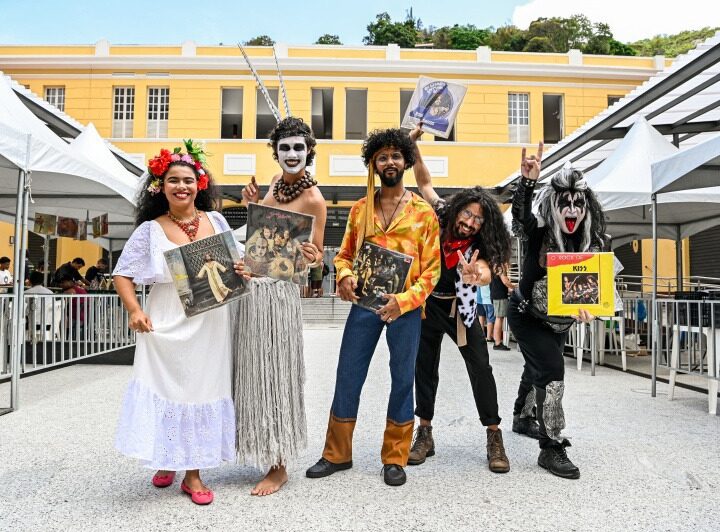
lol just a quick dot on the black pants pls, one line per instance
(542, 349)
(436, 324)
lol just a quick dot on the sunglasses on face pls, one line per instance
(466, 215)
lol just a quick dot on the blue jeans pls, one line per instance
(361, 335)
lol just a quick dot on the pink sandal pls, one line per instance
(198, 497)
(163, 481)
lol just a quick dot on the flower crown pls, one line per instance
(195, 156)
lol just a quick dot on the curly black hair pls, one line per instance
(293, 127)
(150, 206)
(493, 238)
(385, 138)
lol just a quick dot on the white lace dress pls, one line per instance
(177, 412)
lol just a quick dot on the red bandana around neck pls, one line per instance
(450, 249)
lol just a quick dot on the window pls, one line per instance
(55, 96)
(123, 112)
(450, 138)
(405, 96)
(232, 114)
(322, 113)
(518, 117)
(265, 121)
(613, 99)
(158, 110)
(355, 114)
(552, 118)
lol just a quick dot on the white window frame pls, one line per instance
(158, 112)
(56, 96)
(123, 112)
(519, 117)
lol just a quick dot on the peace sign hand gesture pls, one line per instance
(530, 166)
(474, 272)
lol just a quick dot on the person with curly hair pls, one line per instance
(569, 219)
(177, 413)
(475, 244)
(399, 220)
(269, 364)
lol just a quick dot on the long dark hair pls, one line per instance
(493, 238)
(151, 206)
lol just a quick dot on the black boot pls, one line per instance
(526, 425)
(555, 460)
(324, 468)
(394, 475)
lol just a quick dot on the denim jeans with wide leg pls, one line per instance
(361, 335)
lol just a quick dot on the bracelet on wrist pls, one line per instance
(527, 182)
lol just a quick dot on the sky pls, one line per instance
(303, 21)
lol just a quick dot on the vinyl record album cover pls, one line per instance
(581, 281)
(435, 103)
(204, 274)
(272, 248)
(379, 271)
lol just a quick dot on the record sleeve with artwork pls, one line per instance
(204, 274)
(581, 281)
(272, 248)
(45, 224)
(379, 271)
(435, 103)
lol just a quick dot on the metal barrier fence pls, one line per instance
(63, 328)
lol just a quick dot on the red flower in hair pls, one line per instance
(202, 182)
(198, 165)
(158, 165)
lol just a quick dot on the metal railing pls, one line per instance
(63, 328)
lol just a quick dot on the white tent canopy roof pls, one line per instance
(692, 168)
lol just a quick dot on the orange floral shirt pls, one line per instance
(415, 232)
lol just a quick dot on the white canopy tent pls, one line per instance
(38, 167)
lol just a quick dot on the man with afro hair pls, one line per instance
(399, 220)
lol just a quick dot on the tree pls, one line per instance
(328, 39)
(260, 40)
(467, 37)
(672, 45)
(507, 39)
(618, 48)
(384, 31)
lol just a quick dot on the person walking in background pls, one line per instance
(499, 291)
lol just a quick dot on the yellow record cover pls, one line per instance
(581, 281)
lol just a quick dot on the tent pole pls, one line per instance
(46, 258)
(655, 317)
(678, 259)
(18, 329)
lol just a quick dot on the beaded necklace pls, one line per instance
(284, 193)
(189, 227)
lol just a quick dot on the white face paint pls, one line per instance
(292, 154)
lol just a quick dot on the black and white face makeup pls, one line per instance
(569, 211)
(292, 154)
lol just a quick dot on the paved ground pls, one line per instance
(647, 464)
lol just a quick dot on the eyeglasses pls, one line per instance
(466, 214)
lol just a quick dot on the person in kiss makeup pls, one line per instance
(572, 221)
(268, 344)
(177, 413)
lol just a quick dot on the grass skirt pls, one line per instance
(269, 374)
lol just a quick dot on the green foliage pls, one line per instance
(554, 34)
(260, 40)
(672, 45)
(507, 39)
(328, 38)
(466, 37)
(384, 31)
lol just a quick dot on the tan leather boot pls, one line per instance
(497, 459)
(423, 446)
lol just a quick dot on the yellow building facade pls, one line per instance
(143, 98)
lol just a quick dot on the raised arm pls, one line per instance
(522, 197)
(422, 174)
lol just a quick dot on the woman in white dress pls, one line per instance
(177, 413)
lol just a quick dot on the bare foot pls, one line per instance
(273, 481)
